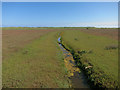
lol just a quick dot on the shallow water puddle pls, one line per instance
(75, 75)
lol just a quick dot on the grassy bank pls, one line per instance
(96, 55)
(38, 64)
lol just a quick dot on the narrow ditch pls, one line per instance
(76, 76)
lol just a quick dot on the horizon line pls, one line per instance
(58, 27)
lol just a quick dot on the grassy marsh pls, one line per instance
(38, 64)
(104, 62)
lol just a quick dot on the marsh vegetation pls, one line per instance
(32, 57)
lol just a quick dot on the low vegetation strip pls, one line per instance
(14, 39)
(38, 64)
(89, 51)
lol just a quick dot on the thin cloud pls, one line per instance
(95, 24)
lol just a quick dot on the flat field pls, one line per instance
(106, 32)
(32, 57)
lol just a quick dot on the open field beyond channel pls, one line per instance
(96, 51)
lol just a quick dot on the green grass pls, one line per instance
(104, 62)
(38, 64)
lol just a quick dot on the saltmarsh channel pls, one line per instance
(76, 76)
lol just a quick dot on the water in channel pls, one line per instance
(77, 78)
